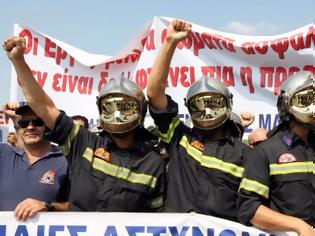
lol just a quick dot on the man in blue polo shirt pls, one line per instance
(34, 178)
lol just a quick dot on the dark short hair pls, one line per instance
(83, 118)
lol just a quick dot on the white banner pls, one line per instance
(125, 224)
(4, 128)
(252, 67)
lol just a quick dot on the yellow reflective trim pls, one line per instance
(233, 169)
(170, 132)
(65, 148)
(254, 186)
(193, 152)
(211, 162)
(88, 154)
(292, 167)
(156, 202)
(118, 171)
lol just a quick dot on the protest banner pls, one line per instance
(125, 224)
(253, 67)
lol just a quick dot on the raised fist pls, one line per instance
(177, 31)
(15, 47)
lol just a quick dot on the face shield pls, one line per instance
(297, 99)
(119, 113)
(208, 110)
(209, 103)
(302, 105)
(121, 106)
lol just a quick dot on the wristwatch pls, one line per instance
(50, 206)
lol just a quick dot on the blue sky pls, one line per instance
(104, 27)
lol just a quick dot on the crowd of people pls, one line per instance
(203, 167)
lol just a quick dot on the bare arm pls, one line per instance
(39, 101)
(267, 219)
(176, 31)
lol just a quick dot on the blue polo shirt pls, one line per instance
(45, 180)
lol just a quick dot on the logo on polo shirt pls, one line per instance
(287, 158)
(102, 154)
(48, 177)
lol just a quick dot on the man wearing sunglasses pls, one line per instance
(278, 190)
(119, 171)
(34, 177)
(205, 166)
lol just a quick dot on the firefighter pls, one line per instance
(205, 166)
(278, 190)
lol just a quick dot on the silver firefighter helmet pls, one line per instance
(297, 98)
(122, 106)
(209, 103)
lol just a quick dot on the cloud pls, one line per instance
(259, 28)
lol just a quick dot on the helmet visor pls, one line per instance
(303, 104)
(207, 106)
(304, 98)
(119, 109)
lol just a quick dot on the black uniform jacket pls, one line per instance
(280, 175)
(203, 175)
(106, 178)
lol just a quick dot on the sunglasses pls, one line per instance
(24, 123)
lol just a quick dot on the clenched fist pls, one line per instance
(177, 31)
(15, 47)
